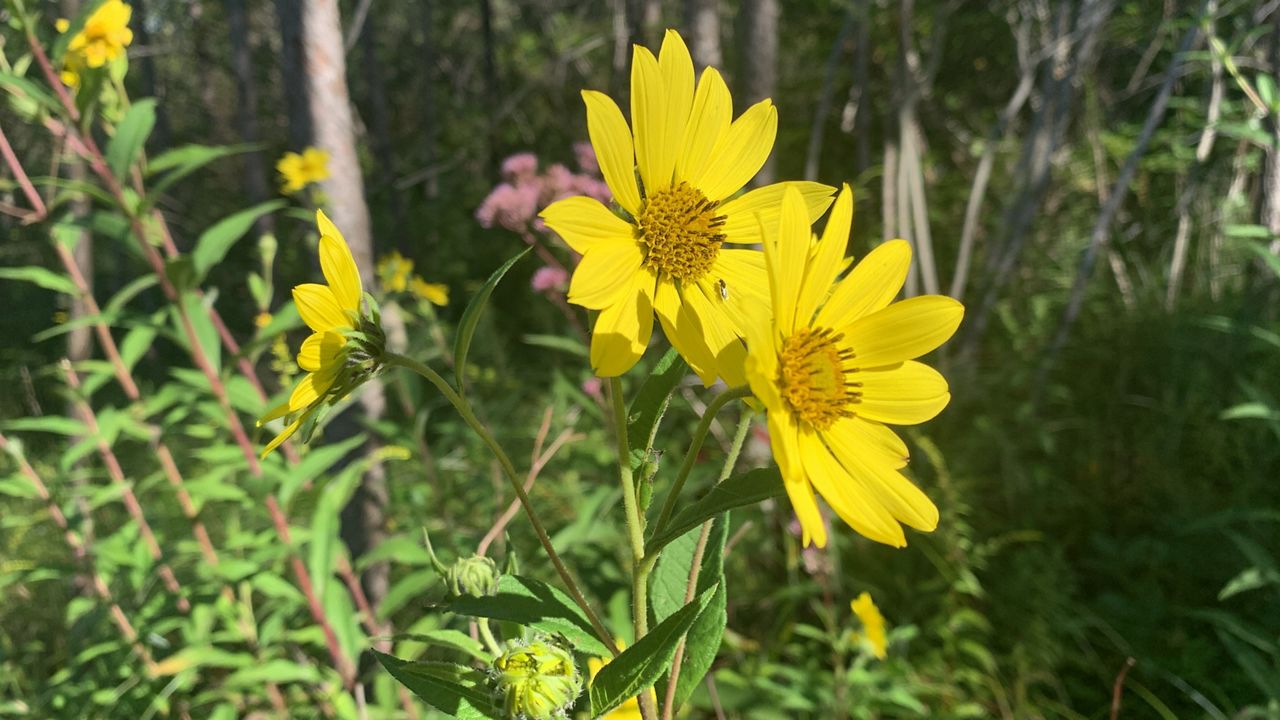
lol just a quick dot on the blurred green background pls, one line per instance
(1108, 471)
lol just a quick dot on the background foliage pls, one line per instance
(1107, 482)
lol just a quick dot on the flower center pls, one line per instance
(814, 379)
(681, 232)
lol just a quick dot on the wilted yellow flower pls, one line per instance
(872, 623)
(394, 271)
(539, 680)
(664, 252)
(835, 363)
(434, 293)
(345, 346)
(103, 37)
(299, 170)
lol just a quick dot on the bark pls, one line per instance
(293, 76)
(334, 125)
(760, 63)
(618, 80)
(256, 183)
(702, 30)
(427, 99)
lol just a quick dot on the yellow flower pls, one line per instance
(629, 710)
(103, 37)
(872, 623)
(345, 346)
(262, 319)
(665, 254)
(539, 680)
(62, 25)
(835, 363)
(434, 293)
(299, 170)
(394, 270)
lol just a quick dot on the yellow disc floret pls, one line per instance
(681, 232)
(813, 377)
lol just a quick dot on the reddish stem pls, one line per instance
(39, 211)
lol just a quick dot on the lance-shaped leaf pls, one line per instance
(739, 490)
(471, 319)
(458, 691)
(650, 403)
(535, 604)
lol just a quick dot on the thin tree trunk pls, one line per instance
(818, 130)
(1102, 228)
(334, 125)
(760, 63)
(293, 77)
(618, 79)
(889, 189)
(247, 110)
(427, 101)
(702, 28)
(160, 136)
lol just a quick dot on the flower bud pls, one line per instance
(539, 681)
(476, 576)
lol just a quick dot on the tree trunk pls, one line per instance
(760, 62)
(381, 131)
(293, 77)
(160, 136)
(247, 110)
(702, 30)
(334, 126)
(428, 101)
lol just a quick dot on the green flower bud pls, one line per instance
(539, 680)
(476, 576)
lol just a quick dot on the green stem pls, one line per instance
(464, 409)
(635, 532)
(699, 435)
(486, 634)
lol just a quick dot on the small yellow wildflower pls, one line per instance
(262, 319)
(671, 253)
(394, 271)
(836, 362)
(104, 36)
(872, 623)
(62, 25)
(345, 346)
(299, 170)
(434, 293)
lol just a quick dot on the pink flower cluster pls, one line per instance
(515, 202)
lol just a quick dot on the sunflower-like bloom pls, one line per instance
(538, 680)
(872, 623)
(835, 363)
(298, 170)
(103, 37)
(665, 251)
(346, 343)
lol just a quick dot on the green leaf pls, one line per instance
(703, 641)
(642, 664)
(325, 543)
(185, 160)
(739, 490)
(471, 318)
(22, 88)
(205, 332)
(273, 671)
(530, 602)
(131, 135)
(650, 403)
(43, 277)
(213, 244)
(461, 692)
(50, 424)
(449, 638)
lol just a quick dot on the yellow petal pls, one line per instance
(786, 255)
(622, 330)
(311, 388)
(605, 274)
(584, 222)
(319, 308)
(740, 152)
(784, 440)
(340, 270)
(870, 286)
(611, 140)
(285, 434)
(719, 333)
(848, 494)
(744, 297)
(708, 120)
(323, 223)
(825, 264)
(899, 496)
(741, 226)
(677, 81)
(320, 350)
(908, 394)
(278, 411)
(904, 330)
(654, 123)
(684, 331)
(869, 436)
